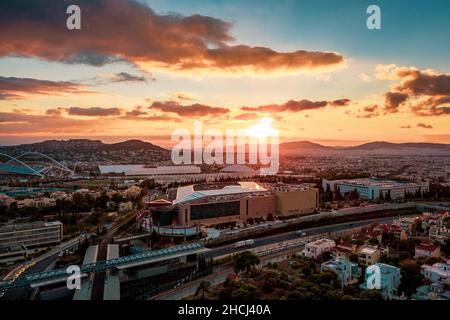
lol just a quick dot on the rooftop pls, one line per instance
(368, 250)
(187, 193)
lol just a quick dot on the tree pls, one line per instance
(203, 287)
(245, 292)
(371, 295)
(245, 261)
(338, 194)
(328, 193)
(388, 195)
(411, 277)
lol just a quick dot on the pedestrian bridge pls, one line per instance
(138, 259)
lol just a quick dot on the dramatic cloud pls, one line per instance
(424, 125)
(139, 114)
(427, 92)
(297, 106)
(126, 77)
(369, 112)
(16, 88)
(393, 100)
(433, 107)
(340, 102)
(136, 112)
(126, 30)
(93, 111)
(193, 110)
(85, 112)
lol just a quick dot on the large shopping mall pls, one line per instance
(206, 205)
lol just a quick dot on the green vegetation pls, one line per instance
(299, 278)
(245, 261)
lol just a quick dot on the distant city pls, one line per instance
(211, 231)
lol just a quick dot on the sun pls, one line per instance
(262, 129)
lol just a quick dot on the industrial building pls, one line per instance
(373, 189)
(197, 206)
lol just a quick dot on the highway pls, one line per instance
(229, 248)
(220, 273)
(45, 261)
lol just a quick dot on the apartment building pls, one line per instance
(316, 248)
(368, 255)
(31, 235)
(427, 249)
(389, 280)
(348, 272)
(438, 272)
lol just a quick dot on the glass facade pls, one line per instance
(214, 210)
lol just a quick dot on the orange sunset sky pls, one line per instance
(142, 69)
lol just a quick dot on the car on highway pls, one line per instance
(300, 233)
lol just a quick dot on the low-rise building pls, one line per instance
(316, 248)
(427, 249)
(368, 255)
(389, 280)
(344, 250)
(348, 272)
(438, 272)
(435, 291)
(439, 234)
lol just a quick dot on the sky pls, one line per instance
(142, 69)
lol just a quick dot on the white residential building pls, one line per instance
(317, 248)
(438, 272)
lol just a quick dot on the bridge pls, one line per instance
(59, 275)
(47, 166)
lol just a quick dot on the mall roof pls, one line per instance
(187, 193)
